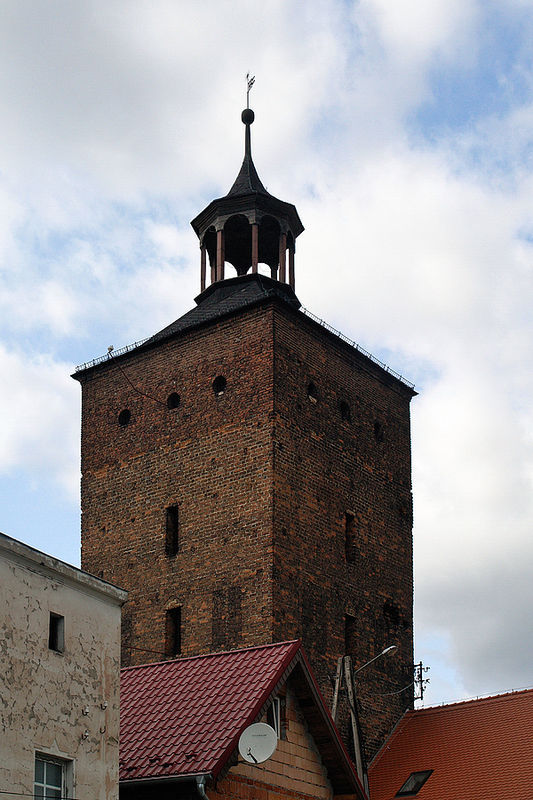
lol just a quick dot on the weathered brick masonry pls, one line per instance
(345, 451)
(268, 476)
(212, 455)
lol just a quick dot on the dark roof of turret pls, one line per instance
(247, 181)
(247, 193)
(225, 297)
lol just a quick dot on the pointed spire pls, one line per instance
(247, 180)
(248, 226)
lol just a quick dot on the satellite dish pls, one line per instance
(257, 743)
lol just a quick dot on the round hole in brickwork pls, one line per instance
(173, 400)
(124, 417)
(312, 392)
(219, 385)
(379, 433)
(344, 408)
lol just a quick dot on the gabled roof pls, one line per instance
(184, 717)
(478, 749)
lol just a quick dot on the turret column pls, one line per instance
(202, 268)
(223, 227)
(291, 268)
(282, 256)
(220, 255)
(255, 246)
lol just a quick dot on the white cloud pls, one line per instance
(415, 31)
(40, 408)
(121, 121)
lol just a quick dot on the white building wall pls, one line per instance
(61, 704)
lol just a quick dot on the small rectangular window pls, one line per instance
(52, 778)
(172, 530)
(349, 537)
(350, 635)
(56, 633)
(173, 632)
(414, 783)
(276, 717)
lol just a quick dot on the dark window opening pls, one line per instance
(350, 635)
(172, 530)
(276, 717)
(349, 537)
(173, 400)
(219, 385)
(173, 632)
(312, 393)
(56, 633)
(379, 433)
(124, 417)
(392, 613)
(344, 408)
(414, 783)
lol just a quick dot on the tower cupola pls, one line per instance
(248, 226)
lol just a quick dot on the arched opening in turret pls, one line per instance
(238, 243)
(209, 243)
(269, 237)
(248, 227)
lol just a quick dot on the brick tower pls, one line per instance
(246, 471)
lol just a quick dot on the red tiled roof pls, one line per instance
(478, 750)
(184, 717)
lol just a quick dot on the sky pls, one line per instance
(403, 133)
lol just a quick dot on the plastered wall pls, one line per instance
(63, 704)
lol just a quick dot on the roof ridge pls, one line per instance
(471, 700)
(216, 654)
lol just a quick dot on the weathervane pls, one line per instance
(249, 83)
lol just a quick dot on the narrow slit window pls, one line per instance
(349, 537)
(379, 432)
(312, 393)
(124, 417)
(350, 635)
(172, 530)
(56, 633)
(344, 408)
(173, 632)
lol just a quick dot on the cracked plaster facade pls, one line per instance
(60, 704)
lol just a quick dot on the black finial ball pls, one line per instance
(247, 116)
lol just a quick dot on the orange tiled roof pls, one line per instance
(478, 750)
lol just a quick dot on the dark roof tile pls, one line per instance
(226, 297)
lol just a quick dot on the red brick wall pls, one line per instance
(263, 478)
(212, 456)
(325, 466)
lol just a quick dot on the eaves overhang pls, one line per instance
(253, 205)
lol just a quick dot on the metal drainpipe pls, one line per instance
(200, 785)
